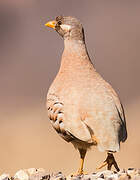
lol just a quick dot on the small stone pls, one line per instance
(76, 178)
(130, 169)
(31, 171)
(59, 172)
(88, 177)
(47, 177)
(101, 176)
(57, 176)
(132, 173)
(21, 175)
(105, 173)
(4, 177)
(38, 174)
(113, 177)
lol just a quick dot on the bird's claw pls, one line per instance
(110, 160)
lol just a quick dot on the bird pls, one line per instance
(82, 107)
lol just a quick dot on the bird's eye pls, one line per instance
(59, 23)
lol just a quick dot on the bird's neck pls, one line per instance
(75, 55)
(74, 46)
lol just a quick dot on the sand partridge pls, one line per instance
(82, 107)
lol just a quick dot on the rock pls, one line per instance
(21, 175)
(57, 176)
(104, 174)
(5, 177)
(38, 174)
(113, 177)
(41, 174)
(101, 176)
(47, 177)
(31, 171)
(131, 169)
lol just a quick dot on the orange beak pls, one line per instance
(51, 24)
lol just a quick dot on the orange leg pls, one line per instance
(82, 157)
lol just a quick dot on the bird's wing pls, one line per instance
(77, 127)
(61, 121)
(121, 114)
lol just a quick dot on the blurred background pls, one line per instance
(30, 57)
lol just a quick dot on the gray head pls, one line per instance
(68, 27)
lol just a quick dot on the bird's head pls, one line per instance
(68, 27)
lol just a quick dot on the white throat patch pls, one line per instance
(65, 27)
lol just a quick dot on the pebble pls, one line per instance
(32, 171)
(41, 174)
(57, 176)
(21, 175)
(5, 177)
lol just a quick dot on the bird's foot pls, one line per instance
(81, 172)
(110, 160)
(78, 173)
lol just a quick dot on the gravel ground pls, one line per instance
(41, 174)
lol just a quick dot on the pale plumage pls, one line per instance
(83, 108)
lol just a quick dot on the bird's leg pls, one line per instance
(110, 160)
(82, 157)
